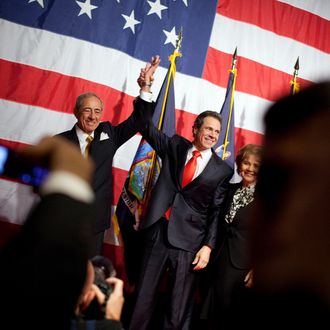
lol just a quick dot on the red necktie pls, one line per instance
(190, 168)
(188, 174)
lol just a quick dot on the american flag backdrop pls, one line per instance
(53, 50)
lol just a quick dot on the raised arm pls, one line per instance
(143, 110)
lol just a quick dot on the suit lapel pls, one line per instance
(210, 169)
(97, 134)
(231, 191)
(182, 156)
(95, 142)
(72, 136)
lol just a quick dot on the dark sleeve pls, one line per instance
(156, 138)
(51, 253)
(60, 222)
(108, 325)
(217, 204)
(96, 325)
(136, 122)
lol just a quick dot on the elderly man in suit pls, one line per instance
(180, 224)
(99, 141)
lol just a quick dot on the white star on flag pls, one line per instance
(130, 22)
(40, 2)
(156, 8)
(86, 8)
(171, 37)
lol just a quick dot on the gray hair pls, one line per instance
(83, 96)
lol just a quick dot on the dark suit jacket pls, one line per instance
(193, 220)
(102, 152)
(237, 233)
(45, 264)
(102, 324)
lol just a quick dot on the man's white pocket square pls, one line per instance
(104, 136)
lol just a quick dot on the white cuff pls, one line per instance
(146, 96)
(68, 184)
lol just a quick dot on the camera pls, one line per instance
(103, 268)
(20, 170)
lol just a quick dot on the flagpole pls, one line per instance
(294, 85)
(233, 70)
(171, 75)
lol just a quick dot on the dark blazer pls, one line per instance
(104, 324)
(102, 151)
(237, 233)
(193, 220)
(50, 253)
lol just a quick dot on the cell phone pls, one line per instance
(17, 169)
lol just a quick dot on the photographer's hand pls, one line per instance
(58, 154)
(114, 305)
(116, 300)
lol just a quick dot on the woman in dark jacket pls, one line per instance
(230, 271)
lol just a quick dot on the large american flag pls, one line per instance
(53, 50)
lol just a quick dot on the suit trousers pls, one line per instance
(227, 288)
(159, 257)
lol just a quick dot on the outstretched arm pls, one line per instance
(142, 109)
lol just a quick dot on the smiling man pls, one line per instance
(99, 141)
(180, 223)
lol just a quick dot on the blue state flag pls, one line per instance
(225, 148)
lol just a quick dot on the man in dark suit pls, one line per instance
(105, 140)
(180, 224)
(44, 267)
(46, 261)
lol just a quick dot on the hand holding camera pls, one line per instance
(31, 164)
(103, 306)
(115, 302)
(105, 297)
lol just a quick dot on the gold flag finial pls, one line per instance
(296, 68)
(179, 41)
(294, 84)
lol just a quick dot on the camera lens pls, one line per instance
(105, 265)
(99, 280)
